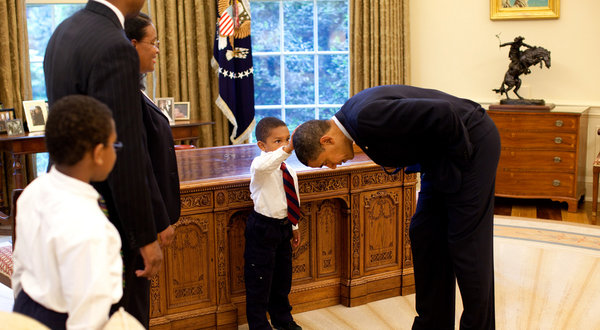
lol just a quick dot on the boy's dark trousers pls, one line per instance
(267, 270)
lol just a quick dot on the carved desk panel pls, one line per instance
(354, 232)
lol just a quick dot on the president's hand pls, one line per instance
(153, 259)
(166, 237)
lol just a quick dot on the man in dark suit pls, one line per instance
(89, 54)
(457, 147)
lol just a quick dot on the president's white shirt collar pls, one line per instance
(115, 9)
(341, 127)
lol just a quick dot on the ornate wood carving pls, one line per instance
(408, 210)
(235, 232)
(356, 230)
(320, 185)
(199, 200)
(328, 221)
(188, 270)
(381, 213)
(301, 256)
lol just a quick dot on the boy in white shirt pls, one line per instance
(68, 267)
(269, 229)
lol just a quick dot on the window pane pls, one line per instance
(295, 117)
(333, 79)
(267, 80)
(265, 26)
(327, 113)
(298, 25)
(299, 79)
(333, 24)
(38, 84)
(42, 19)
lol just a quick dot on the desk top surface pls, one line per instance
(228, 164)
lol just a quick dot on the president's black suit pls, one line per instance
(89, 54)
(457, 147)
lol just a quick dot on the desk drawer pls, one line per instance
(535, 121)
(534, 184)
(544, 161)
(537, 140)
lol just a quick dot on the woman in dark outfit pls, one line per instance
(165, 187)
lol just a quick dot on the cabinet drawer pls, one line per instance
(535, 121)
(534, 184)
(544, 161)
(537, 140)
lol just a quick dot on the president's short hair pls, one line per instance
(76, 124)
(306, 139)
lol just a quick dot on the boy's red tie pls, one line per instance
(290, 194)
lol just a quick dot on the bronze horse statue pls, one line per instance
(531, 56)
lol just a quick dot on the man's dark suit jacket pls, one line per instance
(398, 125)
(165, 193)
(90, 54)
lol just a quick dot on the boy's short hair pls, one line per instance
(264, 127)
(76, 124)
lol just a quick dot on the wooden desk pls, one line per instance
(355, 247)
(31, 143)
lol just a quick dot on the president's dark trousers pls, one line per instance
(452, 240)
(267, 270)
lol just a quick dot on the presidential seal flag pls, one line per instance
(232, 62)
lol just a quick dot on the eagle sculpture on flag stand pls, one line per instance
(232, 62)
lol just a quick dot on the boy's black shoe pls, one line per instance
(290, 326)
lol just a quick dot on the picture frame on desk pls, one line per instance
(6, 114)
(536, 9)
(14, 127)
(36, 114)
(165, 104)
(181, 111)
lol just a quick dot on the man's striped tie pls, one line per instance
(290, 194)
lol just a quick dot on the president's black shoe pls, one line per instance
(290, 326)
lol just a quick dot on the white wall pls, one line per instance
(454, 49)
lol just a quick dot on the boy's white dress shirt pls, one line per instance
(266, 184)
(67, 253)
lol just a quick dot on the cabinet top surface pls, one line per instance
(557, 109)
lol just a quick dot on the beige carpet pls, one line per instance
(547, 277)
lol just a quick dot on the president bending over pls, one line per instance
(457, 147)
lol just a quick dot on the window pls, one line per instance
(43, 16)
(300, 54)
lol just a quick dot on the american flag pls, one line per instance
(226, 23)
(233, 63)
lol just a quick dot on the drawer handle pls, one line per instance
(558, 123)
(557, 159)
(558, 140)
(556, 183)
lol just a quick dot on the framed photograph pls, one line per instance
(36, 114)
(165, 104)
(14, 127)
(523, 9)
(5, 114)
(181, 110)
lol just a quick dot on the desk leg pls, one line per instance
(17, 171)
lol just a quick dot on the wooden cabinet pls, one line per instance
(355, 247)
(543, 153)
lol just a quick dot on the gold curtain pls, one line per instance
(186, 30)
(15, 78)
(379, 45)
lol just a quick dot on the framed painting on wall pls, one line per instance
(524, 9)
